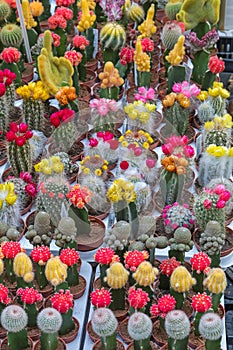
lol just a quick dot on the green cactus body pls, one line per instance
(213, 344)
(4, 115)
(216, 300)
(177, 326)
(52, 204)
(82, 65)
(13, 67)
(218, 138)
(89, 34)
(175, 74)
(34, 111)
(200, 66)
(8, 263)
(170, 34)
(63, 41)
(64, 136)
(205, 112)
(197, 317)
(75, 79)
(67, 323)
(48, 341)
(80, 217)
(112, 37)
(208, 80)
(11, 35)
(181, 242)
(72, 275)
(180, 298)
(49, 322)
(110, 93)
(143, 79)
(171, 9)
(177, 119)
(17, 341)
(10, 94)
(32, 313)
(104, 324)
(171, 185)
(40, 276)
(118, 299)
(140, 328)
(199, 277)
(20, 158)
(219, 105)
(177, 344)
(5, 10)
(142, 344)
(47, 12)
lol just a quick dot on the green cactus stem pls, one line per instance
(17, 341)
(177, 119)
(89, 34)
(13, 67)
(67, 323)
(75, 78)
(199, 277)
(33, 111)
(8, 264)
(60, 50)
(211, 329)
(177, 344)
(103, 268)
(40, 276)
(47, 11)
(175, 74)
(208, 80)
(72, 275)
(180, 298)
(200, 66)
(143, 79)
(171, 186)
(80, 217)
(164, 282)
(197, 317)
(49, 341)
(11, 35)
(179, 255)
(118, 299)
(82, 65)
(213, 344)
(49, 322)
(20, 158)
(104, 324)
(4, 115)
(216, 300)
(32, 313)
(110, 93)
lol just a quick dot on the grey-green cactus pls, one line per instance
(65, 233)
(211, 329)
(180, 243)
(140, 329)
(177, 326)
(176, 216)
(170, 34)
(205, 112)
(104, 324)
(49, 321)
(229, 187)
(20, 157)
(40, 232)
(117, 237)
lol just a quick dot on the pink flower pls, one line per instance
(103, 110)
(23, 127)
(51, 194)
(150, 95)
(167, 149)
(31, 189)
(219, 189)
(177, 88)
(74, 57)
(2, 89)
(10, 55)
(216, 65)
(194, 90)
(113, 105)
(150, 163)
(225, 196)
(93, 142)
(207, 203)
(220, 204)
(65, 12)
(186, 93)
(189, 151)
(108, 136)
(26, 176)
(94, 103)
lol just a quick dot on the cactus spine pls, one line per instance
(104, 324)
(172, 8)
(177, 119)
(49, 322)
(11, 35)
(177, 326)
(140, 328)
(211, 329)
(180, 283)
(112, 37)
(56, 273)
(170, 34)
(23, 270)
(14, 319)
(5, 10)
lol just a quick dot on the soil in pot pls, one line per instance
(123, 331)
(33, 333)
(84, 93)
(61, 345)
(16, 115)
(47, 291)
(4, 344)
(69, 337)
(3, 332)
(187, 197)
(98, 345)
(153, 346)
(159, 335)
(94, 239)
(76, 151)
(93, 336)
(194, 340)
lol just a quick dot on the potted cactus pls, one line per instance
(40, 232)
(166, 268)
(56, 273)
(178, 216)
(180, 243)
(65, 233)
(22, 266)
(177, 326)
(112, 37)
(10, 250)
(110, 82)
(215, 283)
(200, 263)
(201, 303)
(211, 329)
(143, 64)
(181, 282)
(49, 322)
(40, 255)
(14, 319)
(4, 299)
(117, 237)
(104, 257)
(132, 260)
(140, 329)
(9, 211)
(80, 44)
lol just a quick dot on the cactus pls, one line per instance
(205, 112)
(180, 243)
(5, 10)
(19, 185)
(19, 148)
(55, 203)
(49, 322)
(166, 268)
(140, 329)
(211, 329)
(206, 207)
(134, 12)
(70, 257)
(104, 257)
(22, 266)
(56, 273)
(63, 302)
(5, 300)
(216, 137)
(117, 237)
(229, 187)
(215, 283)
(69, 167)
(218, 104)
(8, 233)
(29, 23)
(200, 263)
(116, 278)
(170, 34)
(147, 28)
(14, 319)
(172, 8)
(11, 35)
(40, 232)
(65, 233)
(177, 326)
(111, 81)
(10, 250)
(54, 72)
(104, 324)
(180, 283)
(112, 37)
(178, 215)
(29, 298)
(212, 241)
(143, 64)
(7, 99)
(9, 211)
(201, 303)
(40, 255)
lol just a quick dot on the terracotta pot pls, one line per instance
(79, 290)
(44, 25)
(68, 338)
(25, 210)
(227, 249)
(95, 238)
(46, 292)
(93, 336)
(84, 110)
(153, 346)
(122, 314)
(61, 345)
(123, 331)
(76, 151)
(84, 92)
(4, 344)
(98, 345)
(33, 333)
(28, 73)
(130, 93)
(3, 333)
(6, 173)
(91, 78)
(92, 64)
(158, 334)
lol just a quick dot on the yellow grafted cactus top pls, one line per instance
(36, 8)
(117, 276)
(1, 267)
(22, 266)
(87, 19)
(91, 4)
(110, 76)
(148, 28)
(145, 274)
(141, 58)
(176, 55)
(54, 71)
(193, 12)
(216, 281)
(181, 280)
(28, 19)
(55, 271)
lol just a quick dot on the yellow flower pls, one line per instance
(209, 125)
(124, 143)
(104, 167)
(150, 107)
(145, 145)
(55, 159)
(217, 151)
(11, 199)
(98, 172)
(230, 152)
(227, 121)
(86, 171)
(203, 95)
(133, 114)
(214, 92)
(150, 140)
(47, 170)
(58, 167)
(121, 138)
(128, 132)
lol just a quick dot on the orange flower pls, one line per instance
(66, 94)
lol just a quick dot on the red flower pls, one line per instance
(80, 42)
(31, 189)
(216, 65)
(64, 12)
(124, 165)
(62, 301)
(207, 203)
(134, 258)
(4, 299)
(66, 3)
(201, 302)
(168, 266)
(200, 262)
(165, 304)
(137, 298)
(93, 142)
(20, 141)
(65, 115)
(69, 256)
(74, 57)
(10, 136)
(79, 196)
(26, 176)
(126, 55)
(104, 256)
(29, 295)
(2, 89)
(220, 204)
(40, 254)
(23, 127)
(14, 127)
(54, 119)
(101, 298)
(10, 55)
(11, 249)
(147, 45)
(225, 196)
(28, 134)
(57, 21)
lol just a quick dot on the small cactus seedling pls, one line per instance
(49, 322)
(14, 319)
(104, 324)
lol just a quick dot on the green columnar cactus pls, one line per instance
(40, 255)
(29, 298)
(53, 203)
(40, 232)
(4, 114)
(11, 35)
(104, 324)
(171, 186)
(172, 8)
(34, 111)
(180, 244)
(65, 233)
(177, 119)
(219, 105)
(112, 37)
(205, 112)
(14, 319)
(211, 329)
(212, 241)
(54, 72)
(49, 322)
(63, 302)
(70, 257)
(177, 326)
(140, 329)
